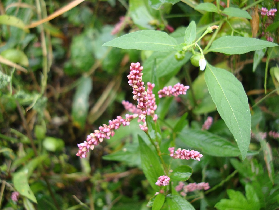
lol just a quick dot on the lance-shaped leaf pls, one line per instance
(209, 7)
(150, 163)
(156, 4)
(232, 104)
(190, 33)
(238, 45)
(176, 202)
(144, 40)
(236, 12)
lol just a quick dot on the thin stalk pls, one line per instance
(11, 82)
(265, 97)
(265, 74)
(213, 37)
(2, 191)
(222, 182)
(252, 5)
(159, 153)
(8, 138)
(188, 79)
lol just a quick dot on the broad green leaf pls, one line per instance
(273, 52)
(28, 204)
(238, 201)
(181, 173)
(180, 124)
(209, 7)
(129, 154)
(190, 33)
(80, 102)
(158, 202)
(258, 55)
(20, 181)
(231, 101)
(208, 143)
(202, 96)
(238, 45)
(165, 64)
(272, 27)
(236, 12)
(145, 40)
(13, 21)
(156, 4)
(150, 163)
(16, 56)
(53, 144)
(141, 14)
(176, 202)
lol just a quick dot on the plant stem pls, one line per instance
(222, 182)
(213, 37)
(252, 5)
(159, 153)
(2, 191)
(188, 79)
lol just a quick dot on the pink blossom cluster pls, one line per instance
(146, 99)
(270, 39)
(131, 107)
(273, 134)
(263, 135)
(163, 181)
(185, 154)
(105, 131)
(271, 12)
(119, 25)
(207, 124)
(15, 196)
(177, 89)
(191, 187)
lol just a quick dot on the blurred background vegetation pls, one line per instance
(58, 84)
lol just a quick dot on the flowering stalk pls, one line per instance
(185, 154)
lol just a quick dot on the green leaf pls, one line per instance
(232, 104)
(238, 201)
(156, 4)
(272, 27)
(238, 45)
(13, 21)
(142, 14)
(236, 12)
(273, 52)
(165, 64)
(181, 173)
(202, 96)
(145, 40)
(20, 181)
(208, 143)
(190, 33)
(151, 166)
(28, 204)
(53, 144)
(180, 124)
(16, 56)
(80, 102)
(158, 202)
(129, 154)
(209, 7)
(176, 202)
(258, 55)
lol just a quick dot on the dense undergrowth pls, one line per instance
(58, 83)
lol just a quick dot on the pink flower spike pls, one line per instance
(15, 196)
(207, 124)
(177, 89)
(105, 131)
(264, 11)
(163, 181)
(184, 154)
